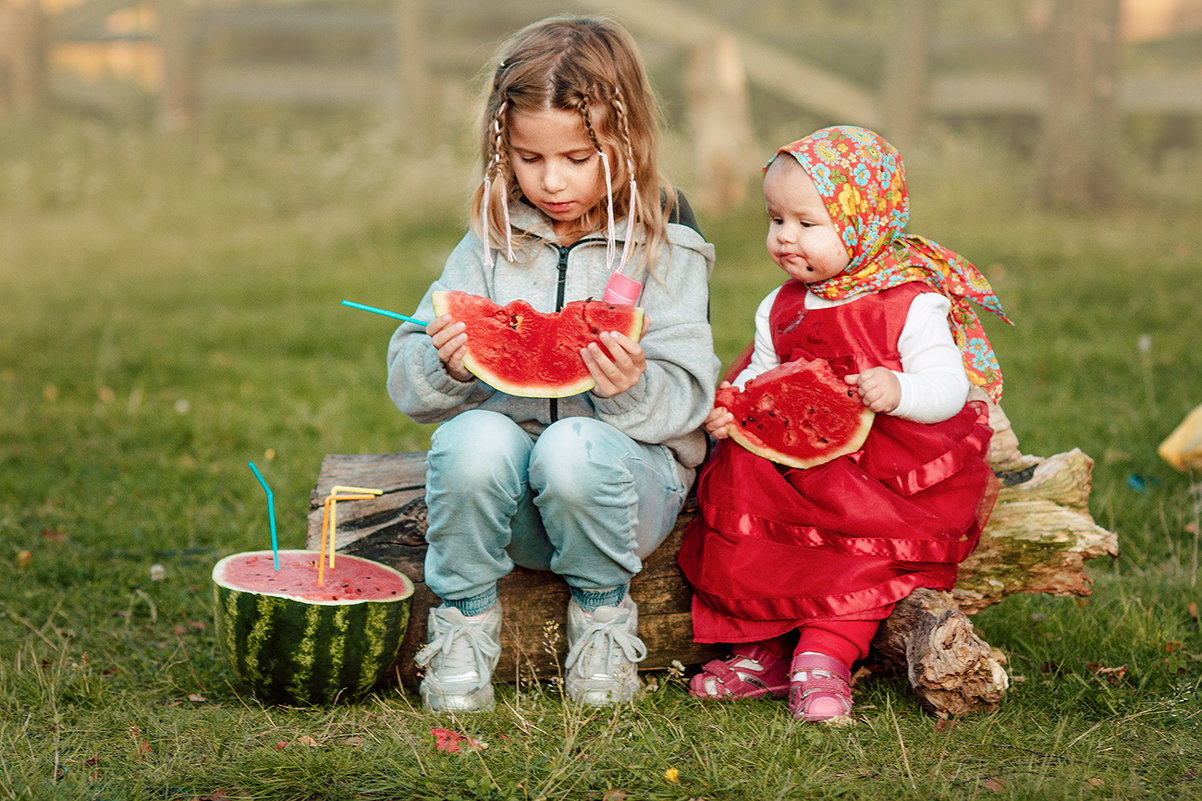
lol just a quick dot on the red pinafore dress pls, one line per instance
(775, 547)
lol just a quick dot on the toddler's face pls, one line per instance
(802, 238)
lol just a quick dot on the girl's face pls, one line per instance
(802, 238)
(557, 167)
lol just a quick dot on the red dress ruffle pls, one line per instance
(774, 547)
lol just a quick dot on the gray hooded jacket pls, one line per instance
(671, 399)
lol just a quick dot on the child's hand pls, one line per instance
(616, 371)
(879, 388)
(718, 419)
(450, 340)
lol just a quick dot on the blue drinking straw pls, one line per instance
(275, 548)
(385, 312)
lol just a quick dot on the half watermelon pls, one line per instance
(291, 640)
(800, 414)
(524, 352)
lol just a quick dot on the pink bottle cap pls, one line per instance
(622, 289)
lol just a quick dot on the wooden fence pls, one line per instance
(407, 57)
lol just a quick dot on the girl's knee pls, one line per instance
(478, 449)
(578, 456)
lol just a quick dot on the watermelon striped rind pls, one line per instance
(296, 651)
(520, 351)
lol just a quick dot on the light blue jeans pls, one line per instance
(582, 500)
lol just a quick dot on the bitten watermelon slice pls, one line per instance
(524, 352)
(291, 640)
(799, 414)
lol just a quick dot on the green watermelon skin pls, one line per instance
(300, 652)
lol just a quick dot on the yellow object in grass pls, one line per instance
(1183, 448)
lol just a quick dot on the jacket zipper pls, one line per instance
(560, 289)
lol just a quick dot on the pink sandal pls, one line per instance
(820, 690)
(750, 671)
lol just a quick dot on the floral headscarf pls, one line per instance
(861, 178)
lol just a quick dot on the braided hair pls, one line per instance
(591, 67)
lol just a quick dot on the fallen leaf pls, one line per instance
(1193, 611)
(23, 560)
(1113, 676)
(453, 742)
(996, 785)
(1097, 782)
(614, 795)
(54, 535)
(197, 697)
(306, 740)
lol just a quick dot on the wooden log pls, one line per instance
(950, 668)
(1038, 539)
(392, 527)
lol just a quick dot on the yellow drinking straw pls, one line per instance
(329, 522)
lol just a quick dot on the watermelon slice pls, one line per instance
(799, 414)
(528, 353)
(290, 640)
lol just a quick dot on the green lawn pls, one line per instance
(169, 311)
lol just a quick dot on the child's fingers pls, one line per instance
(616, 367)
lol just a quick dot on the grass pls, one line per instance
(169, 310)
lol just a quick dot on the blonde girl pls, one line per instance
(570, 206)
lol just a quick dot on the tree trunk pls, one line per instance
(1081, 123)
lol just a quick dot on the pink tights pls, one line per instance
(845, 640)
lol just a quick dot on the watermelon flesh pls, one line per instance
(532, 354)
(291, 640)
(799, 414)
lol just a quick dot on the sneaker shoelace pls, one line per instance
(608, 634)
(484, 649)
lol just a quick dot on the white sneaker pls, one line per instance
(603, 647)
(459, 659)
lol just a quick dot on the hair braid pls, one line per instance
(585, 108)
(591, 67)
(624, 127)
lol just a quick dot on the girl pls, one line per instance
(798, 567)
(585, 486)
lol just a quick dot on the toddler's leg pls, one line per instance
(752, 670)
(820, 685)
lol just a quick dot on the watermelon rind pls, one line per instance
(293, 651)
(555, 370)
(818, 375)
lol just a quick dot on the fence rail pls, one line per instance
(384, 55)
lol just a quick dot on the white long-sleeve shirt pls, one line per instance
(934, 385)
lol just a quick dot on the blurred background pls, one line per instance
(1072, 86)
